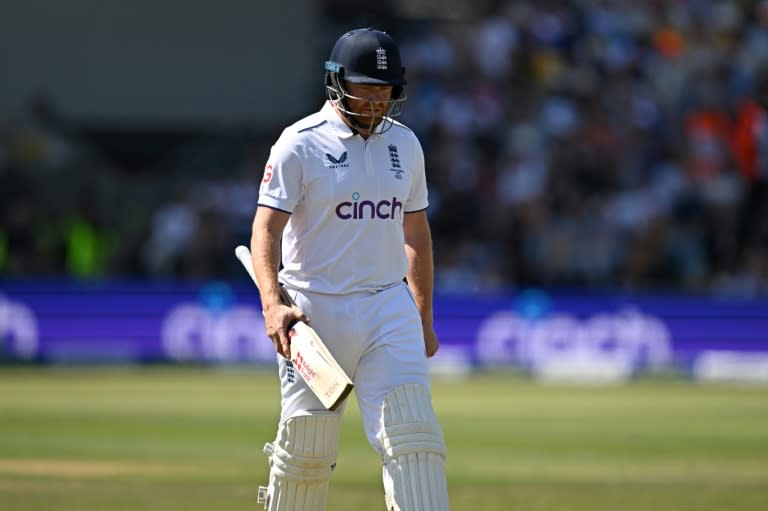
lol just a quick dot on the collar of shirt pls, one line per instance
(338, 125)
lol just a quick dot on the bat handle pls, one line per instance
(244, 256)
(285, 297)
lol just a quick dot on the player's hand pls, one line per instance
(431, 344)
(278, 318)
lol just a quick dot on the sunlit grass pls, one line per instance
(190, 439)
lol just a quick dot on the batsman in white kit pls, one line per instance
(342, 205)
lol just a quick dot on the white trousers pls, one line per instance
(376, 337)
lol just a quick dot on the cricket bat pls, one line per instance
(309, 354)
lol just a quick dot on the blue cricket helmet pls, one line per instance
(367, 56)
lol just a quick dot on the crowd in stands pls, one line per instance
(611, 144)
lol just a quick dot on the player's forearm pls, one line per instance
(265, 249)
(420, 280)
(418, 248)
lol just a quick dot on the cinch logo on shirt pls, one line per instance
(361, 209)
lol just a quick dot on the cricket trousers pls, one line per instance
(376, 337)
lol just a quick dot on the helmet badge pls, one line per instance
(381, 58)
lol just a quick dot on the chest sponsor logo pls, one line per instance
(334, 163)
(394, 161)
(357, 209)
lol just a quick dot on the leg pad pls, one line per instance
(413, 451)
(301, 461)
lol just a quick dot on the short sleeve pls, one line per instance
(281, 185)
(417, 198)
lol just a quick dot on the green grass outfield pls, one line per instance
(190, 439)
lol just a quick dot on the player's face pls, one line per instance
(370, 102)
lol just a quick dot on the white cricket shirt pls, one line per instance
(347, 197)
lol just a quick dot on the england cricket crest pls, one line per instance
(381, 58)
(290, 373)
(394, 160)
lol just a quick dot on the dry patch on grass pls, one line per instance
(680, 472)
(83, 469)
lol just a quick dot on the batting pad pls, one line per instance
(301, 460)
(413, 452)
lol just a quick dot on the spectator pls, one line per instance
(598, 143)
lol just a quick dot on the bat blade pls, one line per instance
(317, 366)
(309, 354)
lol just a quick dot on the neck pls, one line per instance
(357, 130)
